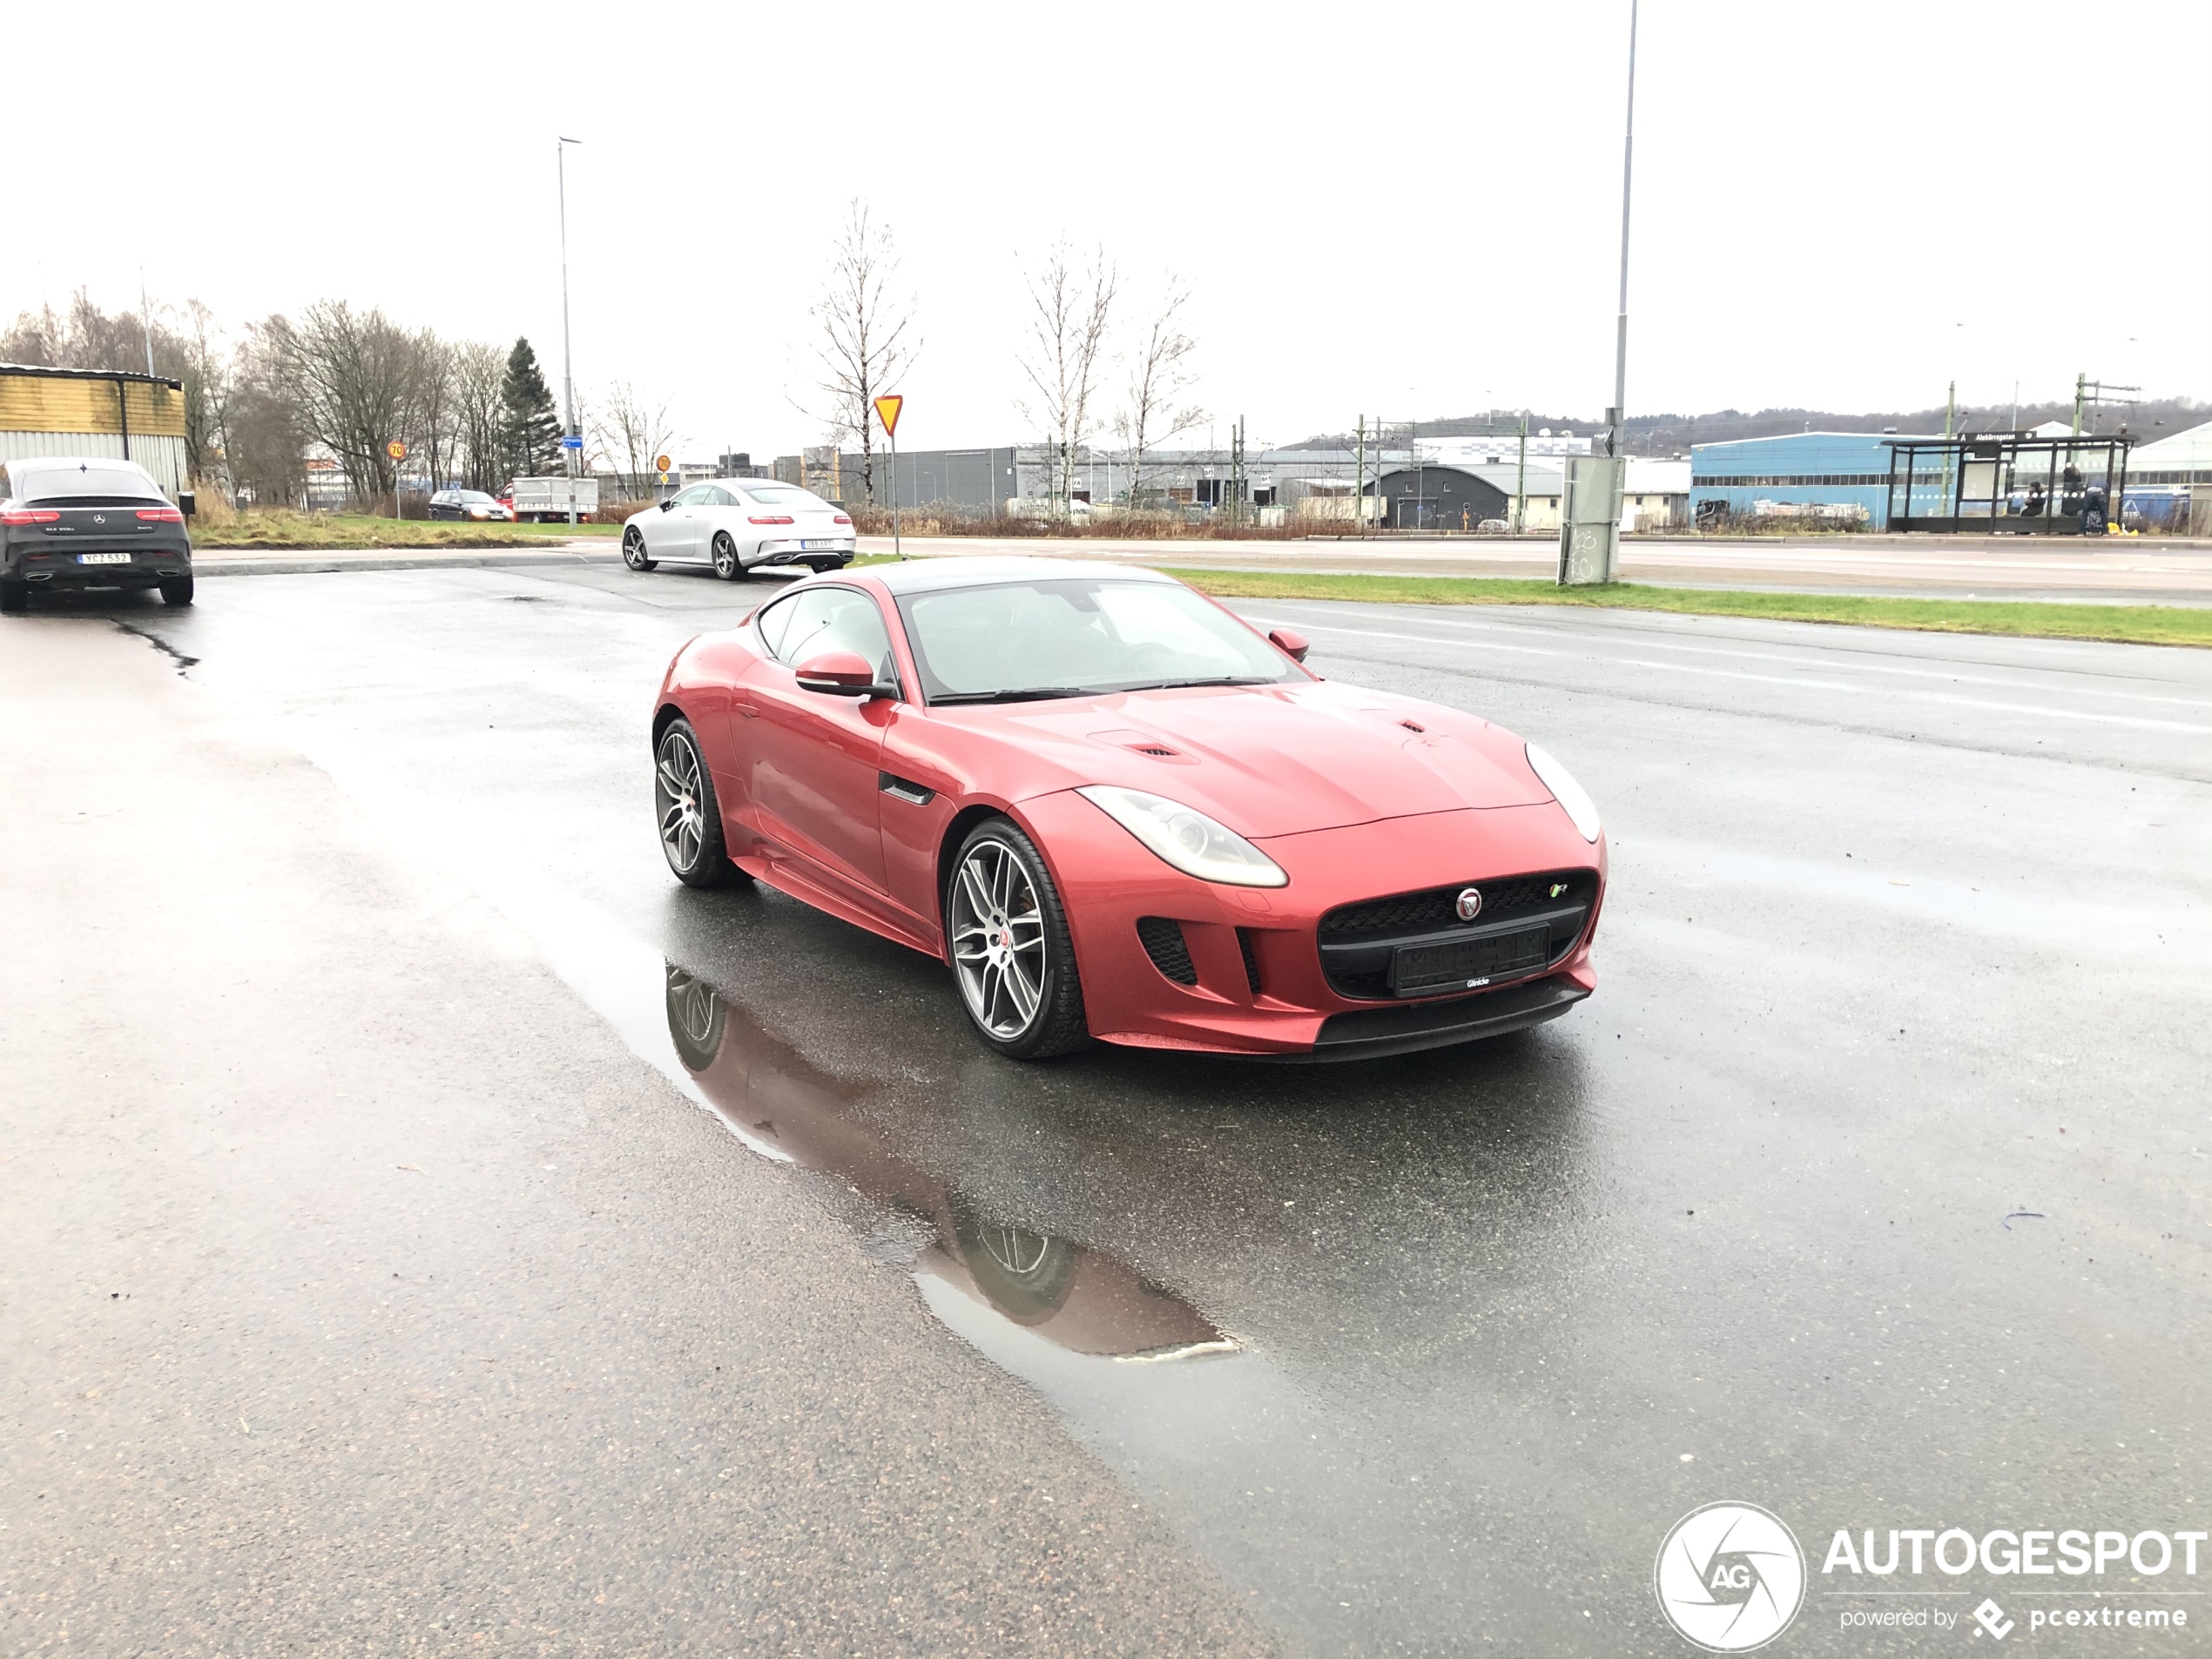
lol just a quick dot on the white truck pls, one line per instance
(542, 501)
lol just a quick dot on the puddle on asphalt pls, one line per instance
(1079, 1299)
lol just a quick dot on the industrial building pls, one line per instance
(1846, 472)
(2169, 484)
(112, 413)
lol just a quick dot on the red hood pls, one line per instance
(1281, 759)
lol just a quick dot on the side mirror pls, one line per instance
(1291, 642)
(187, 502)
(840, 673)
(669, 502)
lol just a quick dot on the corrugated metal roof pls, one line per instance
(110, 374)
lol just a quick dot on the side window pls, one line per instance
(819, 619)
(774, 621)
(717, 496)
(695, 497)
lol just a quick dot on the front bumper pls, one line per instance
(1107, 881)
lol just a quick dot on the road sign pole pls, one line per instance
(896, 551)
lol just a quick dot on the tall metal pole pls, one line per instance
(145, 320)
(1628, 172)
(1520, 479)
(568, 363)
(897, 552)
(1359, 477)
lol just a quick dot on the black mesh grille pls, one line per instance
(1251, 961)
(1502, 899)
(1163, 941)
(1361, 943)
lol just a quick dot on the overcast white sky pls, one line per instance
(1412, 208)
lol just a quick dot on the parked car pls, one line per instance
(79, 521)
(470, 504)
(1115, 810)
(544, 501)
(739, 525)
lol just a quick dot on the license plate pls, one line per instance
(1463, 964)
(104, 558)
(811, 546)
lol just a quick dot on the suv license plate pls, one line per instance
(1462, 964)
(104, 558)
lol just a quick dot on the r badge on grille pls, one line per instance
(1470, 903)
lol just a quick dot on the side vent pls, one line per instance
(1163, 941)
(1251, 960)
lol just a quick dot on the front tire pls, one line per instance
(177, 591)
(1007, 939)
(633, 550)
(727, 563)
(688, 816)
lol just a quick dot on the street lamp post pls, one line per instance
(571, 451)
(1621, 331)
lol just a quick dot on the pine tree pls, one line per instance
(532, 425)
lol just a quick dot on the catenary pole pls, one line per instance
(567, 361)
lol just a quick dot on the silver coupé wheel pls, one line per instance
(633, 550)
(1010, 946)
(727, 563)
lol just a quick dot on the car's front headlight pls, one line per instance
(1565, 791)
(1187, 839)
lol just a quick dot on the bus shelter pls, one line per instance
(2010, 484)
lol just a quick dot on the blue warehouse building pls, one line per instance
(1795, 468)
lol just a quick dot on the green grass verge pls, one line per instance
(330, 532)
(2131, 624)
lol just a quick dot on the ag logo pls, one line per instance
(1730, 1577)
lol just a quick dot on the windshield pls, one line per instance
(472, 495)
(56, 486)
(1068, 638)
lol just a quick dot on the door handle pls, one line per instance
(744, 707)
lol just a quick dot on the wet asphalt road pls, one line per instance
(1869, 1188)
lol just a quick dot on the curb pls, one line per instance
(308, 565)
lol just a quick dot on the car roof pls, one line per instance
(933, 575)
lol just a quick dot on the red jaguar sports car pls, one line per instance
(1116, 811)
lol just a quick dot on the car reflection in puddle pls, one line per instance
(1078, 1298)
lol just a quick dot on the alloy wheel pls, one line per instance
(633, 549)
(677, 789)
(998, 940)
(725, 559)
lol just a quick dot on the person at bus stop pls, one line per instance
(2034, 507)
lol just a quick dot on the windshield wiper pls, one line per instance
(1026, 694)
(1217, 679)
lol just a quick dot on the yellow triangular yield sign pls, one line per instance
(887, 410)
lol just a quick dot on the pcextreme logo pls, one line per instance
(1730, 1577)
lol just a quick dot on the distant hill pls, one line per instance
(1668, 435)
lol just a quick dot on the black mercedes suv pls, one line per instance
(73, 522)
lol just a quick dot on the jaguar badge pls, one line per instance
(1470, 903)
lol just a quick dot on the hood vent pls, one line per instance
(1142, 743)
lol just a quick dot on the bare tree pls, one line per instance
(350, 374)
(263, 444)
(866, 345)
(1160, 375)
(632, 432)
(479, 372)
(1066, 355)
